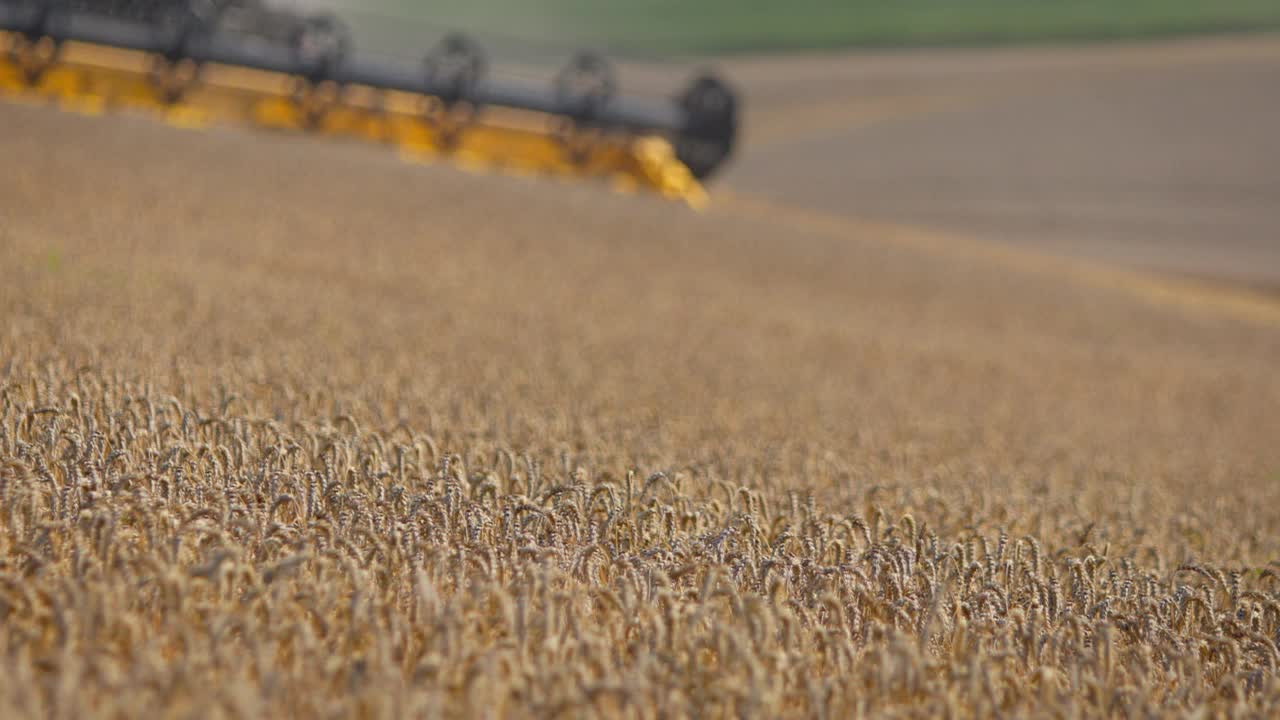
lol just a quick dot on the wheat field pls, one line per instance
(290, 430)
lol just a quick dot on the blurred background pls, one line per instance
(716, 26)
(1141, 132)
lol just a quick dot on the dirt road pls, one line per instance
(1162, 157)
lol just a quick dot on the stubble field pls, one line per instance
(294, 430)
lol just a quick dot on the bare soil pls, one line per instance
(1161, 156)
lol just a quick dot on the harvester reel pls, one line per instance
(585, 86)
(319, 44)
(173, 73)
(33, 56)
(147, 11)
(453, 70)
(35, 15)
(32, 48)
(712, 127)
(243, 62)
(208, 12)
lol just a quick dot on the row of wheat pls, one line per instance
(202, 560)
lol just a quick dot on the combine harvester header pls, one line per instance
(197, 63)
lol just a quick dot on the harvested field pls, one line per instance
(291, 429)
(1155, 156)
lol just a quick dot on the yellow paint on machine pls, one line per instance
(92, 80)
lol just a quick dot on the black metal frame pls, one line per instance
(701, 122)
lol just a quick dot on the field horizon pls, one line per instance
(719, 27)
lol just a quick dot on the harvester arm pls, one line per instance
(185, 64)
